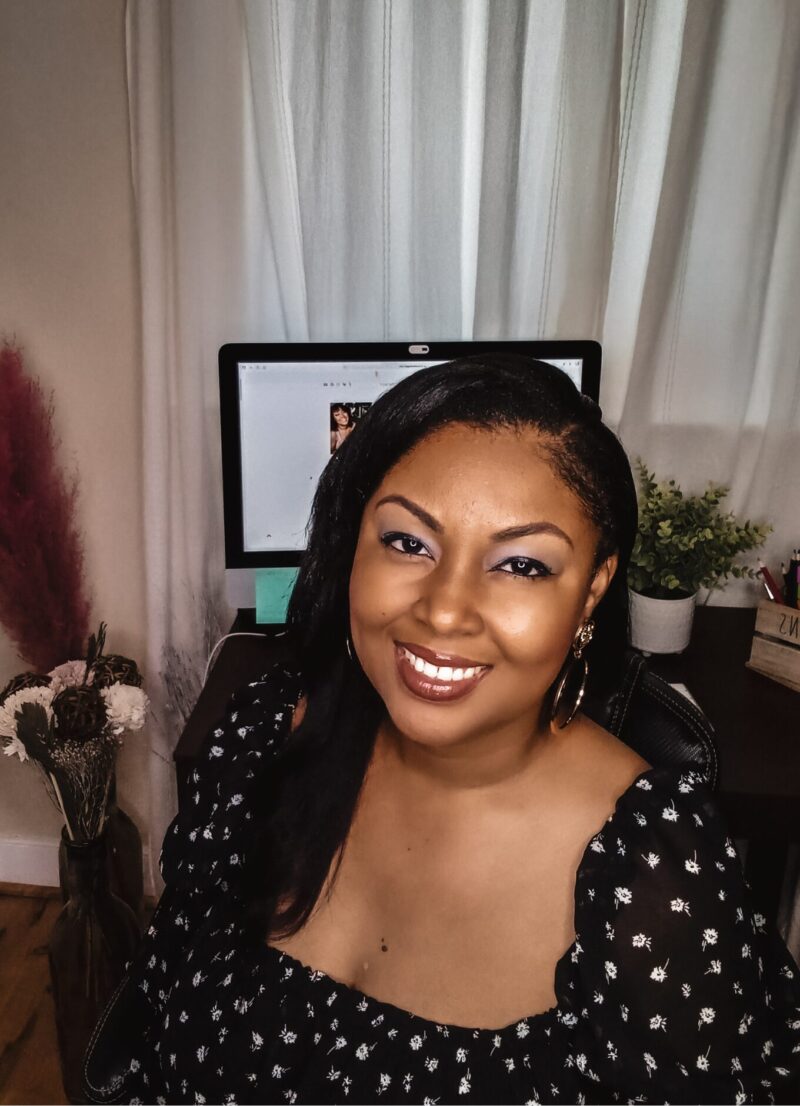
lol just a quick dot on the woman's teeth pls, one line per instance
(444, 674)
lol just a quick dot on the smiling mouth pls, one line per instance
(434, 682)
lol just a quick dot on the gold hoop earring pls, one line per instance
(581, 640)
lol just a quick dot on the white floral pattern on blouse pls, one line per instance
(674, 990)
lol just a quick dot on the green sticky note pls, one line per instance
(273, 589)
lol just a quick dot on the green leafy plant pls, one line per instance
(686, 542)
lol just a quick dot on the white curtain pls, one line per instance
(400, 169)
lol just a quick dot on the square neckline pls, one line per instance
(355, 996)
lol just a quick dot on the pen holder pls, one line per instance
(775, 651)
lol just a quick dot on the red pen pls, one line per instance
(773, 591)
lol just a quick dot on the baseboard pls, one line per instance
(28, 891)
(31, 862)
(35, 863)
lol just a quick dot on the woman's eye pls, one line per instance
(524, 566)
(403, 543)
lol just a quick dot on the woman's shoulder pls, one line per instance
(670, 802)
(209, 831)
(639, 795)
(267, 698)
(255, 723)
(673, 803)
(667, 830)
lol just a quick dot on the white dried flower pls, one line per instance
(69, 674)
(15, 748)
(8, 710)
(126, 707)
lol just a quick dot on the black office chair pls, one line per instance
(660, 723)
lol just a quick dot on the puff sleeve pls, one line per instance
(201, 858)
(203, 848)
(685, 995)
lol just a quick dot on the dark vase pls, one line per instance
(125, 869)
(94, 937)
(126, 872)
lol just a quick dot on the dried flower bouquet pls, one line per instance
(69, 723)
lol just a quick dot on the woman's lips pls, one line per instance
(452, 659)
(434, 688)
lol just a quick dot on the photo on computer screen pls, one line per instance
(343, 419)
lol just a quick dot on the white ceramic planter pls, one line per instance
(661, 625)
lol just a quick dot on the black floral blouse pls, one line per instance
(674, 990)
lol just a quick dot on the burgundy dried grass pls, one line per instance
(43, 603)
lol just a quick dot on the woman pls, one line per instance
(411, 870)
(342, 425)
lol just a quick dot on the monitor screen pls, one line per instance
(287, 408)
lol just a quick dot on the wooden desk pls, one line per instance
(757, 724)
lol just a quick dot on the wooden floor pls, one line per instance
(29, 1070)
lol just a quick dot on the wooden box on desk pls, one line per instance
(775, 651)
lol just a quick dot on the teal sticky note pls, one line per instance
(273, 589)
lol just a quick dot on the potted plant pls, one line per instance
(684, 543)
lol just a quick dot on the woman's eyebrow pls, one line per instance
(532, 528)
(415, 509)
(502, 535)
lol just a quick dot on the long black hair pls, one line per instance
(311, 794)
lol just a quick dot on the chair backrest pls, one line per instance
(660, 723)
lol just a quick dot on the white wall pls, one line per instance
(68, 294)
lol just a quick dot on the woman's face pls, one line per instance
(472, 555)
(340, 416)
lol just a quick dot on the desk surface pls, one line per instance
(757, 721)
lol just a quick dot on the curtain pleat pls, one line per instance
(340, 170)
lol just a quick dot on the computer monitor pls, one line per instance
(285, 408)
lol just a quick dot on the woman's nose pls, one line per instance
(449, 601)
